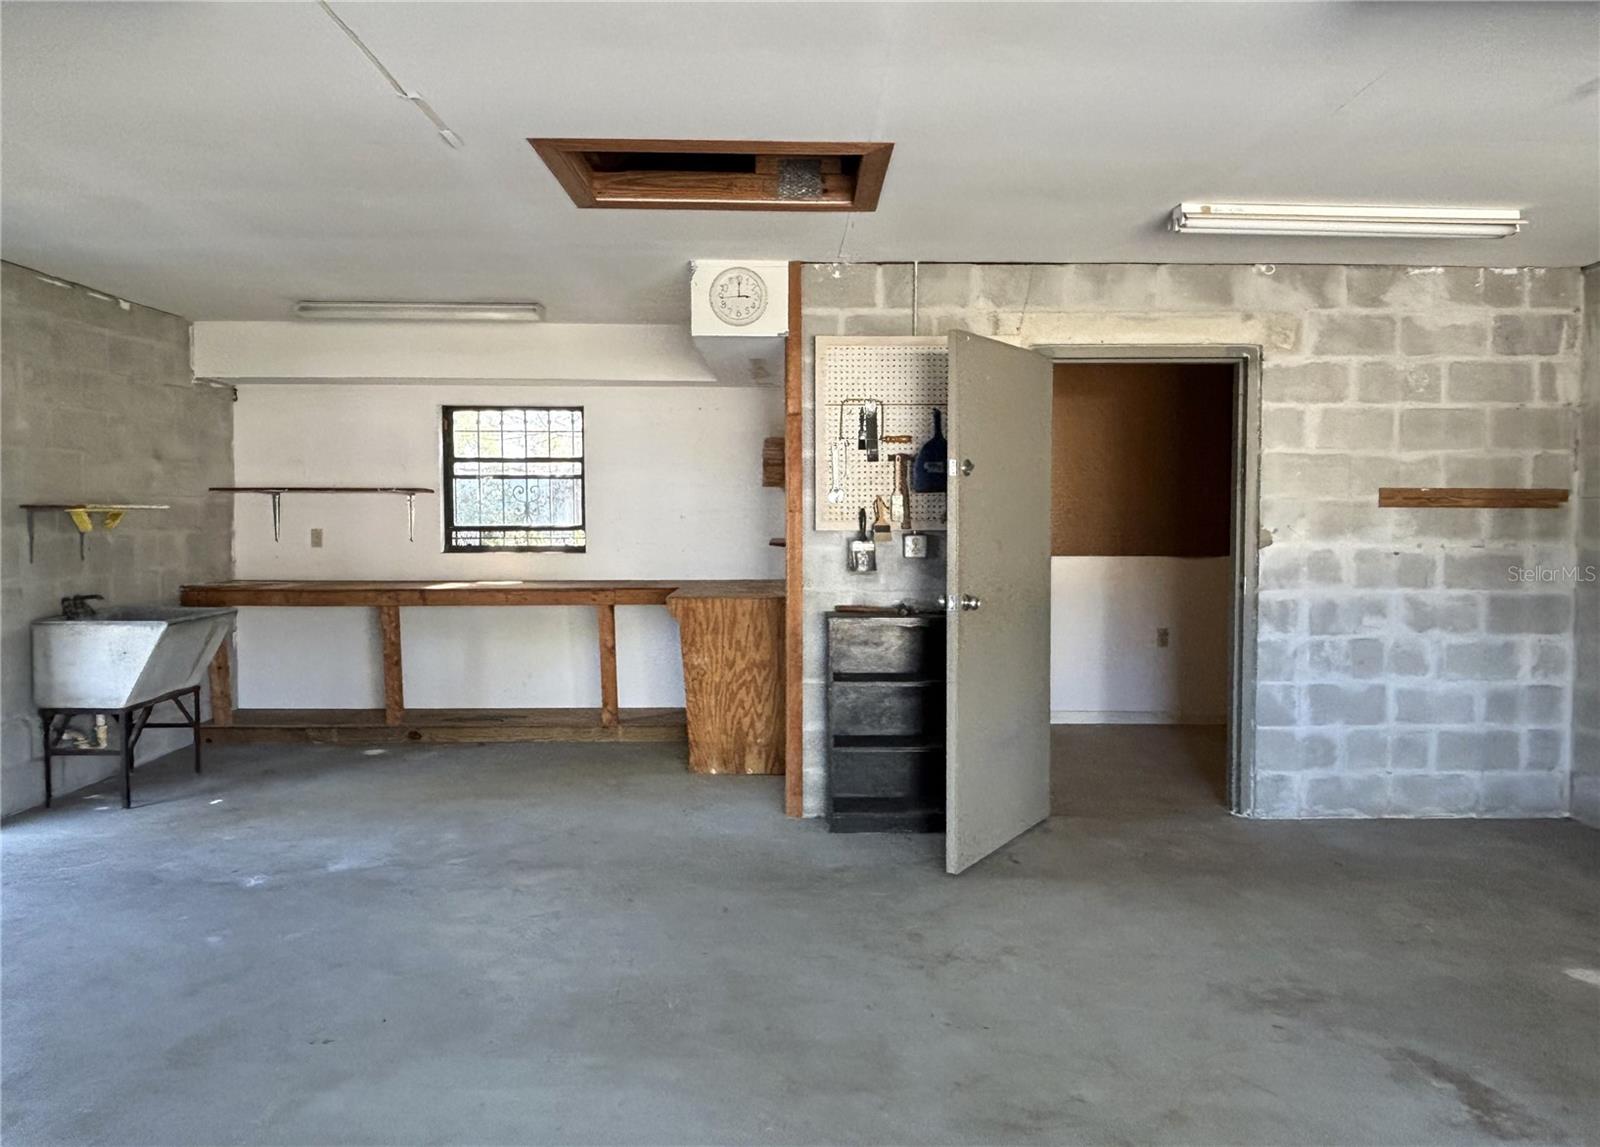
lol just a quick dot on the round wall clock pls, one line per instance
(738, 296)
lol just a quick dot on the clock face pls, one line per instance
(739, 296)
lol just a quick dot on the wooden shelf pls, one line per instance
(82, 515)
(322, 489)
(446, 593)
(1470, 498)
(443, 726)
(276, 493)
(94, 507)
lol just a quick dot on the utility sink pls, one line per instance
(124, 656)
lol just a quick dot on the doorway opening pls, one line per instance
(1151, 542)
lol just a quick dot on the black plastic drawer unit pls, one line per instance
(885, 723)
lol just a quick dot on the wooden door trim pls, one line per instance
(794, 557)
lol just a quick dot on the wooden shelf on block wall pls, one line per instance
(1470, 498)
(82, 515)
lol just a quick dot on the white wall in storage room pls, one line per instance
(1106, 665)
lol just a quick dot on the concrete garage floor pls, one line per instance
(586, 944)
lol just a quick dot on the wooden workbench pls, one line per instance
(732, 639)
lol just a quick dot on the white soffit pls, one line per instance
(369, 352)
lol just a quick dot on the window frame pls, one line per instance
(448, 502)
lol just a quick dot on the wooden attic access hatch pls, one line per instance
(718, 175)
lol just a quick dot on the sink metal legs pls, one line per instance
(62, 741)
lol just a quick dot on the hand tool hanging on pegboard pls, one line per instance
(870, 425)
(928, 473)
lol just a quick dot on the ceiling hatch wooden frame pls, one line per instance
(718, 174)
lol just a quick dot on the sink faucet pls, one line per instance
(77, 607)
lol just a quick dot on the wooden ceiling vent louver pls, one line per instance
(718, 175)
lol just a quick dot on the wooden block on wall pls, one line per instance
(772, 463)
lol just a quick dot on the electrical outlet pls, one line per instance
(316, 537)
(1163, 637)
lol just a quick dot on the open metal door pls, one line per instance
(997, 772)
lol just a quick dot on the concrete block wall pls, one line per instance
(1586, 651)
(1411, 662)
(97, 403)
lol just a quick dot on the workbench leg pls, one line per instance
(608, 665)
(394, 689)
(49, 723)
(221, 677)
(125, 725)
(194, 727)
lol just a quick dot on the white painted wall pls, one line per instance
(450, 351)
(674, 491)
(1105, 665)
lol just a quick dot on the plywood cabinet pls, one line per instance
(733, 677)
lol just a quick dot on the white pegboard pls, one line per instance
(907, 377)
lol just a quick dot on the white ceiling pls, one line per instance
(221, 160)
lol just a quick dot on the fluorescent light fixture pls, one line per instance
(422, 312)
(1345, 221)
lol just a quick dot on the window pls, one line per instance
(513, 479)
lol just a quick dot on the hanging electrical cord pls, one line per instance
(411, 97)
(916, 270)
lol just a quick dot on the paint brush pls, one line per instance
(882, 529)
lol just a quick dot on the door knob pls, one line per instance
(968, 602)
